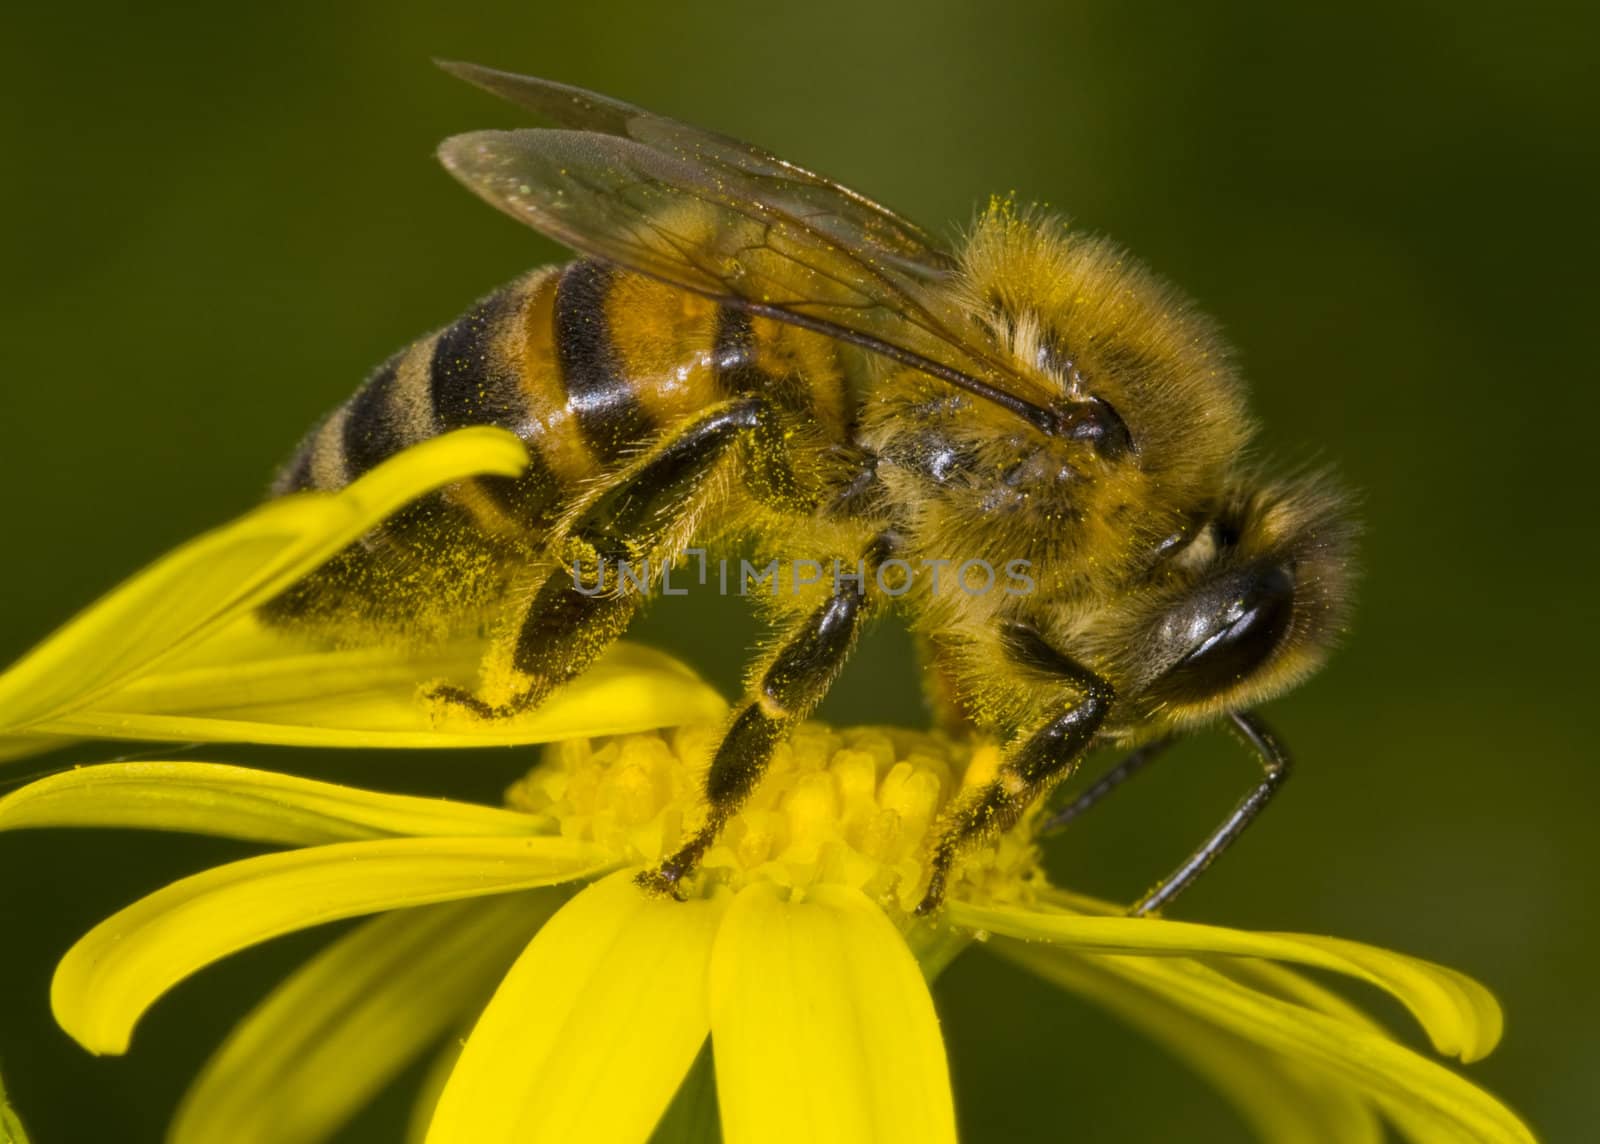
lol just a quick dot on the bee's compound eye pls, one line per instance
(1232, 627)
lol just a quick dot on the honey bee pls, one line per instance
(747, 356)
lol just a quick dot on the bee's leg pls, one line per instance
(1136, 761)
(1047, 757)
(564, 629)
(648, 509)
(794, 682)
(1275, 765)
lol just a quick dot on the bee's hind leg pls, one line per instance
(571, 618)
(562, 631)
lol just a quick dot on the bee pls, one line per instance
(748, 356)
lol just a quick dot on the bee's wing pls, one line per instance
(849, 218)
(732, 222)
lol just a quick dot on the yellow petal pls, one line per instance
(116, 971)
(1461, 1017)
(1285, 1102)
(1414, 1091)
(205, 584)
(270, 688)
(822, 1025)
(692, 1117)
(426, 1101)
(1281, 981)
(11, 1131)
(328, 1039)
(25, 746)
(237, 802)
(1254, 973)
(593, 1028)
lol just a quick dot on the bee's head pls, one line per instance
(1243, 604)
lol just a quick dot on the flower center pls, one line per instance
(855, 806)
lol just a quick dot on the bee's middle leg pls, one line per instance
(786, 693)
(570, 619)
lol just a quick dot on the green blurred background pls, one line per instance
(217, 220)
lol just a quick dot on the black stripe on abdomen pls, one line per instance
(733, 353)
(372, 432)
(602, 400)
(473, 381)
(295, 477)
(470, 380)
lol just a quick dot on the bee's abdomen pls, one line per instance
(470, 373)
(587, 365)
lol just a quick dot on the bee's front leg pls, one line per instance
(1275, 765)
(1048, 756)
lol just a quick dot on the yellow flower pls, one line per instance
(796, 957)
(177, 654)
(796, 953)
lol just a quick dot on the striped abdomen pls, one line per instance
(587, 365)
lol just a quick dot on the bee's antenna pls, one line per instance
(1045, 420)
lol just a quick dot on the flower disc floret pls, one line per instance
(854, 807)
